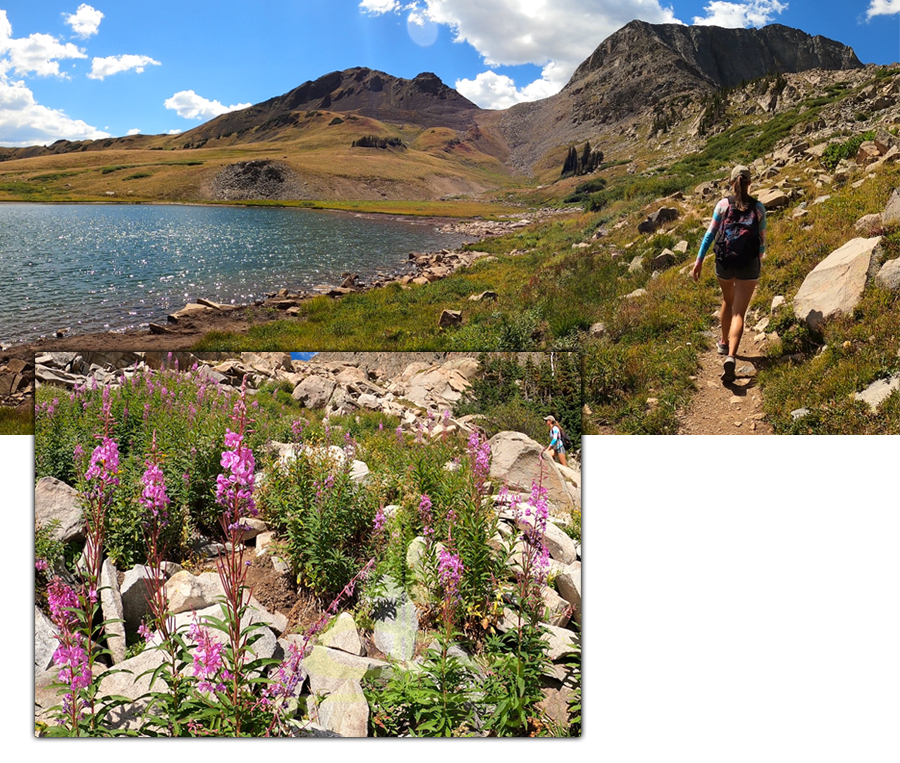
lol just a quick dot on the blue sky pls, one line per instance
(109, 67)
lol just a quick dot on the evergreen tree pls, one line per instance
(585, 162)
(570, 166)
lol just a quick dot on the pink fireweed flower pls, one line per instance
(104, 465)
(399, 432)
(289, 675)
(533, 515)
(153, 497)
(349, 448)
(145, 632)
(379, 519)
(41, 565)
(62, 600)
(235, 488)
(297, 429)
(207, 658)
(72, 660)
(450, 569)
(480, 455)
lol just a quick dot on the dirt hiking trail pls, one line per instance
(733, 408)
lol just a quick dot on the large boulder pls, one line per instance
(56, 500)
(889, 275)
(568, 584)
(136, 589)
(328, 668)
(556, 609)
(345, 710)
(836, 284)
(517, 460)
(314, 391)
(267, 362)
(890, 218)
(132, 679)
(878, 391)
(396, 623)
(435, 385)
(45, 642)
(343, 634)
(664, 259)
(773, 198)
(560, 546)
(187, 592)
(113, 613)
(560, 642)
(265, 645)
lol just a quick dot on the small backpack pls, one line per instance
(737, 241)
(566, 440)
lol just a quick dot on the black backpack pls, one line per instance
(566, 440)
(737, 241)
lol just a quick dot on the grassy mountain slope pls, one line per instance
(556, 280)
(431, 163)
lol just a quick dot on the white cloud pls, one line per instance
(173, 132)
(556, 35)
(497, 91)
(379, 6)
(189, 105)
(85, 21)
(883, 8)
(134, 131)
(24, 122)
(38, 53)
(755, 13)
(106, 67)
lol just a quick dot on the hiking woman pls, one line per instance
(739, 230)
(556, 440)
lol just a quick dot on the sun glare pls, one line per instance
(422, 30)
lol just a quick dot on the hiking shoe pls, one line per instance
(722, 348)
(728, 370)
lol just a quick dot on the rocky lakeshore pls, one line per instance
(184, 327)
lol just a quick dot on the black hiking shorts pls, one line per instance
(748, 272)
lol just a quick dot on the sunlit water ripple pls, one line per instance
(110, 267)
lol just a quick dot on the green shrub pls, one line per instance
(324, 516)
(834, 152)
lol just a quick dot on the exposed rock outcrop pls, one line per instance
(836, 284)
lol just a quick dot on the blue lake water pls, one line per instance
(112, 267)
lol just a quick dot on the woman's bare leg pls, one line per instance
(726, 310)
(743, 293)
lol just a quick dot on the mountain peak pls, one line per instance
(720, 57)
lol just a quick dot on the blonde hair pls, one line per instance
(742, 197)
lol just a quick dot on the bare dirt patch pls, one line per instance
(735, 408)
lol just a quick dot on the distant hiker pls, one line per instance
(557, 440)
(738, 235)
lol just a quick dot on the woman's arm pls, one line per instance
(718, 214)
